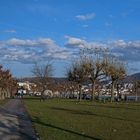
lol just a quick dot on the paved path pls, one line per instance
(15, 123)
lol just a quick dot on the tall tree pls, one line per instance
(136, 87)
(77, 74)
(7, 83)
(115, 70)
(43, 74)
(93, 65)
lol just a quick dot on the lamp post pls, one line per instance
(136, 99)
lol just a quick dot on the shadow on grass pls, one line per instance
(37, 120)
(131, 103)
(83, 112)
(31, 98)
(111, 106)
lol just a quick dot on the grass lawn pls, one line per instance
(65, 119)
(2, 102)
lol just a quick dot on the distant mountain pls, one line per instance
(33, 79)
(136, 76)
(128, 79)
(133, 77)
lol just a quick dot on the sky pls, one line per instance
(38, 30)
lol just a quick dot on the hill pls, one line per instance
(133, 77)
(128, 79)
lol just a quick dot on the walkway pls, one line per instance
(15, 123)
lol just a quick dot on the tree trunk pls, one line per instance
(136, 99)
(7, 95)
(93, 91)
(0, 93)
(118, 92)
(80, 92)
(42, 97)
(112, 91)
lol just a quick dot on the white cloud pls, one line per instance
(10, 31)
(15, 42)
(26, 50)
(86, 17)
(108, 24)
(125, 44)
(126, 50)
(77, 43)
(28, 42)
(118, 43)
(85, 26)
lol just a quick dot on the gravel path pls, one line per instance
(15, 123)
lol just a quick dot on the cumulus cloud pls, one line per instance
(30, 43)
(77, 43)
(86, 17)
(126, 50)
(118, 44)
(26, 50)
(10, 31)
(85, 26)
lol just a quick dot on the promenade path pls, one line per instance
(15, 123)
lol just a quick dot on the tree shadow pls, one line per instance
(37, 120)
(131, 103)
(31, 98)
(83, 112)
(110, 106)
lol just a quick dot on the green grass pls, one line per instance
(2, 102)
(61, 119)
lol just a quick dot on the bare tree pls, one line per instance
(115, 70)
(77, 73)
(136, 87)
(43, 74)
(93, 65)
(89, 66)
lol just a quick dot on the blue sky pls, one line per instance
(35, 30)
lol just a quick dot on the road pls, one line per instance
(15, 123)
